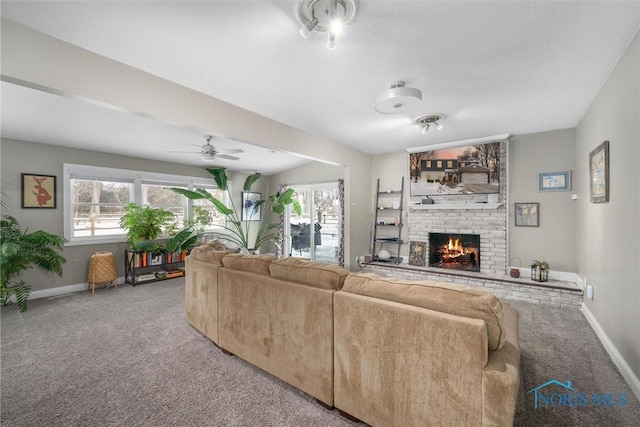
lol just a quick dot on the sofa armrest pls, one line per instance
(201, 293)
(501, 376)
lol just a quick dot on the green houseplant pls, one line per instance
(144, 224)
(235, 230)
(22, 250)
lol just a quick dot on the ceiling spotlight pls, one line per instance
(331, 41)
(336, 26)
(325, 16)
(398, 99)
(425, 122)
(307, 28)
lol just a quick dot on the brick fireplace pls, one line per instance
(468, 214)
(472, 214)
(489, 224)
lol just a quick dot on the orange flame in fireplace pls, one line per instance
(455, 249)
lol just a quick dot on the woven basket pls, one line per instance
(102, 269)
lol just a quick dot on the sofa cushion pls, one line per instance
(444, 297)
(209, 253)
(258, 264)
(316, 274)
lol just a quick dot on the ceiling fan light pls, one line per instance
(438, 125)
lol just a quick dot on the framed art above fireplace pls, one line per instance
(461, 170)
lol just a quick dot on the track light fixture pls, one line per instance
(325, 16)
(426, 122)
(331, 41)
(306, 29)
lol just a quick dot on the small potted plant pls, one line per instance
(144, 224)
(540, 270)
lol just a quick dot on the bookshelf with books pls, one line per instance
(152, 266)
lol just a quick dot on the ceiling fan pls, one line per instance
(209, 152)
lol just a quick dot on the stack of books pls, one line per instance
(145, 277)
(174, 273)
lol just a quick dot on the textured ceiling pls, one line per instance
(489, 67)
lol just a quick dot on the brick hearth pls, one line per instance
(554, 292)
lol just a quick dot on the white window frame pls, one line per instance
(107, 174)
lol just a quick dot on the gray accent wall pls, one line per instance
(554, 239)
(608, 253)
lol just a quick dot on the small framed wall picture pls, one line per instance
(527, 214)
(554, 181)
(38, 191)
(251, 206)
(599, 173)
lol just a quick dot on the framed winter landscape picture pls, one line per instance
(468, 169)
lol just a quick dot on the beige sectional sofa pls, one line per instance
(386, 351)
(201, 288)
(423, 353)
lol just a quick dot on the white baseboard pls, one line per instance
(60, 290)
(618, 360)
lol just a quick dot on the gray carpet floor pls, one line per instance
(127, 357)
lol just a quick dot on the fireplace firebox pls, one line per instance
(454, 251)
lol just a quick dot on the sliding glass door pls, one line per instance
(316, 233)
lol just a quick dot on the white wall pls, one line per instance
(608, 234)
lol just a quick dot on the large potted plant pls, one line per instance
(22, 250)
(144, 224)
(235, 230)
